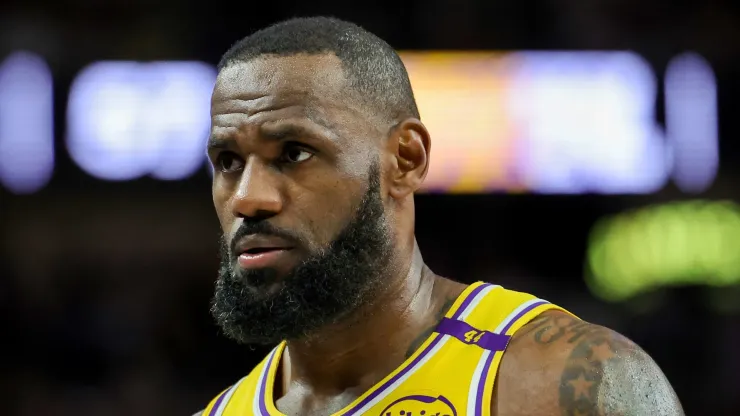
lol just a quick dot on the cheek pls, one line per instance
(325, 213)
(220, 203)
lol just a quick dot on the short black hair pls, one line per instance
(372, 67)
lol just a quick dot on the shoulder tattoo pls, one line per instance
(604, 373)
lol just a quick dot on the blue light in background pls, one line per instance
(126, 120)
(692, 121)
(26, 123)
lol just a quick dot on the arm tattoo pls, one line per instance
(549, 329)
(583, 376)
(605, 374)
(416, 343)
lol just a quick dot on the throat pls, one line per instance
(346, 365)
(346, 361)
(324, 386)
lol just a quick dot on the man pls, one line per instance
(317, 151)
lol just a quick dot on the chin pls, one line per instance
(259, 279)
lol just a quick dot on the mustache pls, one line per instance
(263, 227)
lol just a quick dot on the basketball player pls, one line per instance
(317, 150)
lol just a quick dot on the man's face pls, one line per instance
(298, 194)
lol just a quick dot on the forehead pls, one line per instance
(315, 81)
(309, 89)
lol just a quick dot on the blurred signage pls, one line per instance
(691, 121)
(545, 122)
(584, 122)
(564, 122)
(26, 123)
(682, 243)
(128, 119)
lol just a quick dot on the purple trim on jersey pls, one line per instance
(521, 313)
(214, 409)
(472, 336)
(469, 299)
(263, 383)
(482, 384)
(466, 302)
(489, 361)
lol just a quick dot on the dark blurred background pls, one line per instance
(596, 186)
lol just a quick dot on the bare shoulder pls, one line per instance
(560, 365)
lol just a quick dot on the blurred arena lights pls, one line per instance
(126, 120)
(26, 123)
(691, 121)
(680, 243)
(584, 122)
(542, 122)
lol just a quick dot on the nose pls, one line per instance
(258, 195)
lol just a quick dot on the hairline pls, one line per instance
(368, 108)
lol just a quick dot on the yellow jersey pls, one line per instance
(451, 374)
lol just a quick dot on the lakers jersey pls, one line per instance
(451, 374)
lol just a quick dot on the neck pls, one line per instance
(360, 351)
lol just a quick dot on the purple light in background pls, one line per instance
(26, 123)
(691, 121)
(187, 94)
(585, 122)
(130, 119)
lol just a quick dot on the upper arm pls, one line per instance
(577, 368)
(607, 374)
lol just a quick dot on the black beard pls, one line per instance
(323, 290)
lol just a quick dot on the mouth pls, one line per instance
(263, 257)
(260, 250)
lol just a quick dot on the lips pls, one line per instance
(261, 251)
(258, 244)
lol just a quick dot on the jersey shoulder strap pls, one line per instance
(487, 330)
(505, 311)
(239, 395)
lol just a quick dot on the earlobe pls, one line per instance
(410, 145)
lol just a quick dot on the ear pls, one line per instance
(408, 147)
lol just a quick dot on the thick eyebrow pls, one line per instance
(219, 143)
(278, 131)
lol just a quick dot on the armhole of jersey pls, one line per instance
(514, 326)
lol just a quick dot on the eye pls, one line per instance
(295, 154)
(228, 162)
